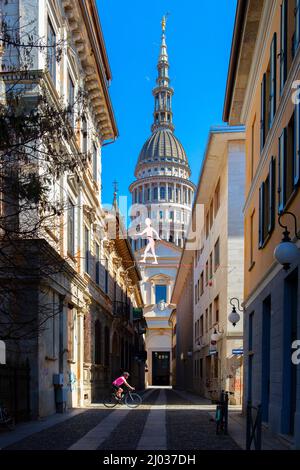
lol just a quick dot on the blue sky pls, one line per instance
(199, 37)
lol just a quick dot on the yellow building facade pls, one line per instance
(262, 94)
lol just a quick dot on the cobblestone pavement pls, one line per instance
(177, 424)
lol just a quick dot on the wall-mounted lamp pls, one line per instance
(234, 317)
(287, 252)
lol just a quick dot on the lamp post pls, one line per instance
(234, 317)
(287, 252)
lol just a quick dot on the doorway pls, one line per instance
(161, 368)
(266, 356)
(290, 370)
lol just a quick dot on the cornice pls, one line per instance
(258, 55)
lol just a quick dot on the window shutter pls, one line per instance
(263, 113)
(273, 55)
(297, 25)
(297, 145)
(283, 45)
(281, 172)
(272, 183)
(261, 214)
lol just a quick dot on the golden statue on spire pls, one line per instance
(163, 23)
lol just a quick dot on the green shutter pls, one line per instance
(263, 113)
(282, 170)
(283, 44)
(272, 185)
(273, 55)
(261, 214)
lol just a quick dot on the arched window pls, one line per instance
(98, 342)
(155, 193)
(162, 192)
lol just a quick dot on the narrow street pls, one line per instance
(165, 421)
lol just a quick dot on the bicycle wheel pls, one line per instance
(110, 402)
(133, 400)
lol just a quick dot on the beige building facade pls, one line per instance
(211, 269)
(90, 332)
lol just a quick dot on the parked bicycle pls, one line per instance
(5, 418)
(130, 399)
(221, 417)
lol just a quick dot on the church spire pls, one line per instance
(163, 116)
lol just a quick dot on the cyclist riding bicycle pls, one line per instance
(118, 384)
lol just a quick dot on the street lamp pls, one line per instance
(286, 253)
(234, 317)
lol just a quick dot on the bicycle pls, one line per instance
(6, 419)
(221, 416)
(130, 399)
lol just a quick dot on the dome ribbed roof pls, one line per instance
(161, 145)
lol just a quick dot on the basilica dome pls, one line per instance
(162, 146)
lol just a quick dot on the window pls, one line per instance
(217, 254)
(252, 239)
(86, 249)
(71, 100)
(202, 283)
(283, 44)
(201, 368)
(207, 224)
(51, 51)
(98, 342)
(201, 332)
(98, 264)
(170, 191)
(216, 309)
(288, 161)
(160, 293)
(196, 294)
(206, 320)
(210, 316)
(172, 215)
(155, 193)
(206, 272)
(210, 266)
(263, 95)
(95, 162)
(71, 228)
(71, 318)
(217, 198)
(267, 205)
(211, 214)
(106, 279)
(162, 192)
(84, 135)
(272, 99)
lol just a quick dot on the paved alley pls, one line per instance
(165, 421)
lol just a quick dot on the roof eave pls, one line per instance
(234, 55)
